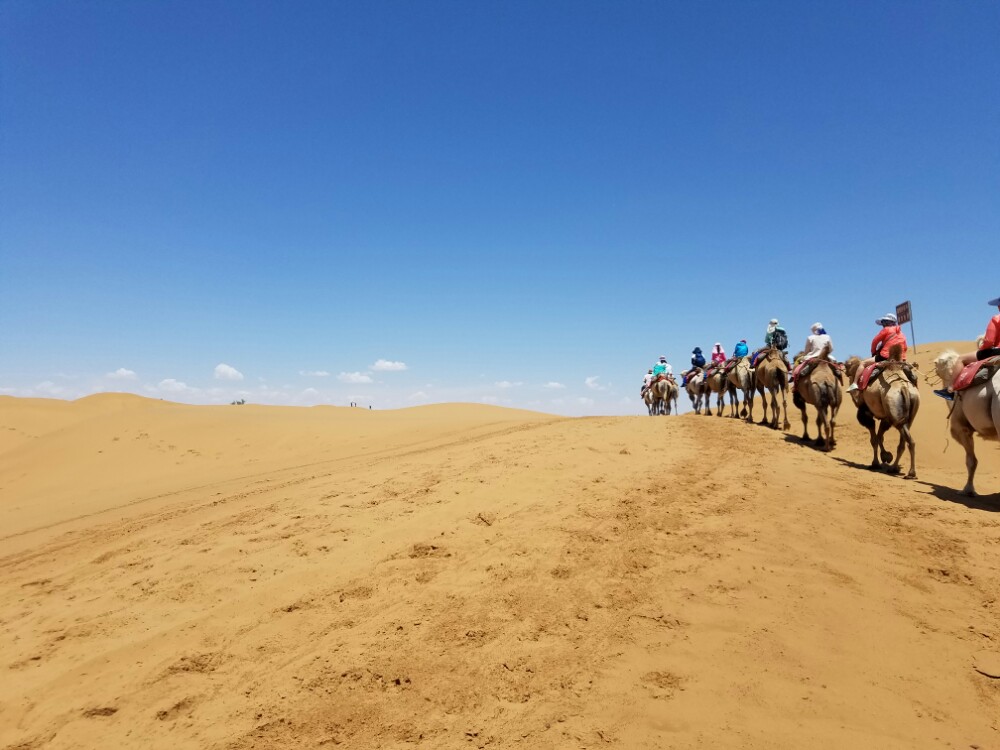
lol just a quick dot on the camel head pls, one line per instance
(947, 366)
(852, 365)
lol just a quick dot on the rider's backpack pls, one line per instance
(779, 339)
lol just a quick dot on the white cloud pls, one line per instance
(584, 401)
(385, 365)
(226, 372)
(122, 374)
(593, 385)
(354, 377)
(418, 396)
(507, 384)
(170, 385)
(554, 386)
(314, 373)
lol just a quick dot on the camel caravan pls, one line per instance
(883, 389)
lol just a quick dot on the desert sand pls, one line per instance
(464, 576)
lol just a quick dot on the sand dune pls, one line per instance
(468, 576)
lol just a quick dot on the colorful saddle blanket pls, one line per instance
(873, 370)
(969, 373)
(805, 367)
(866, 376)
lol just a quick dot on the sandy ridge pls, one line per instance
(588, 583)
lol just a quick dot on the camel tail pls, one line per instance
(896, 352)
(947, 366)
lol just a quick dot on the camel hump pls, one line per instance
(896, 352)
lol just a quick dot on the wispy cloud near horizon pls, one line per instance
(386, 365)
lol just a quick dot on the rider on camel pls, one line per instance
(988, 347)
(816, 342)
(779, 342)
(647, 380)
(697, 360)
(739, 351)
(662, 368)
(890, 335)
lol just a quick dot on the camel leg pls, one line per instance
(883, 427)
(911, 445)
(876, 464)
(784, 405)
(962, 431)
(817, 395)
(748, 397)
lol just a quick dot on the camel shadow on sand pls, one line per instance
(813, 442)
(988, 503)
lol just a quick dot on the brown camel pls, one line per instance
(715, 382)
(647, 399)
(893, 399)
(819, 384)
(976, 409)
(695, 387)
(771, 376)
(741, 378)
(663, 391)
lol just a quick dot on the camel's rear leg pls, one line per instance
(904, 433)
(962, 431)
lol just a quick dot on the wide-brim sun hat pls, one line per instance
(887, 318)
(994, 302)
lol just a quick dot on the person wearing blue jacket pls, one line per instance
(697, 360)
(741, 349)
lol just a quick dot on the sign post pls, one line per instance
(905, 315)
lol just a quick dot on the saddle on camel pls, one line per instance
(895, 362)
(975, 373)
(806, 366)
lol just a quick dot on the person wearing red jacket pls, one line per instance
(890, 335)
(988, 347)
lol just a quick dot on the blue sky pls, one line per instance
(500, 196)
